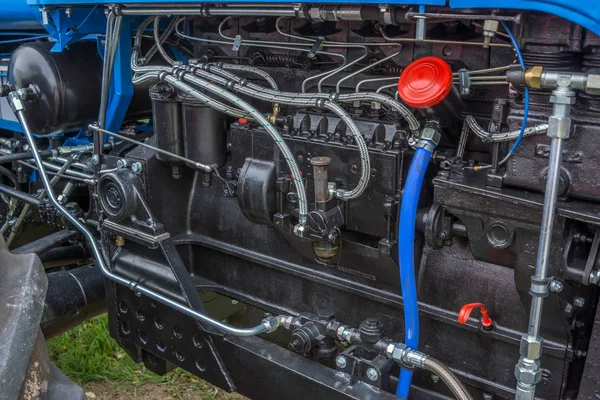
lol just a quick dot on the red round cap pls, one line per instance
(425, 82)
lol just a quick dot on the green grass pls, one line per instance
(88, 354)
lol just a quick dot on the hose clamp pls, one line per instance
(334, 97)
(244, 82)
(425, 144)
(320, 103)
(230, 85)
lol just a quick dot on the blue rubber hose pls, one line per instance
(406, 257)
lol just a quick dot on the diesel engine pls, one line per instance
(306, 200)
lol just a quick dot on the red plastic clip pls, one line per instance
(466, 310)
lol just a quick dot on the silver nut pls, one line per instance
(559, 127)
(595, 277)
(272, 323)
(531, 347)
(529, 376)
(137, 167)
(121, 164)
(592, 84)
(490, 25)
(372, 374)
(398, 353)
(435, 378)
(487, 396)
(579, 302)
(431, 135)
(341, 362)
(556, 286)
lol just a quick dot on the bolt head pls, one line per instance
(556, 286)
(435, 378)
(121, 164)
(341, 362)
(137, 167)
(372, 374)
(579, 302)
(96, 160)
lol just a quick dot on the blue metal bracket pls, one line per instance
(81, 22)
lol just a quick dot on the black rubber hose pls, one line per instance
(443, 372)
(23, 156)
(73, 296)
(20, 195)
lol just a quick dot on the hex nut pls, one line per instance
(527, 375)
(579, 302)
(341, 362)
(592, 84)
(559, 127)
(533, 77)
(531, 347)
(431, 135)
(372, 374)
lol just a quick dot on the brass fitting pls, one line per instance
(533, 77)
(275, 114)
(120, 241)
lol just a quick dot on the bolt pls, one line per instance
(435, 378)
(68, 12)
(556, 286)
(96, 160)
(579, 302)
(340, 361)
(233, 301)
(137, 167)
(121, 164)
(372, 374)
(487, 396)
(138, 294)
(447, 51)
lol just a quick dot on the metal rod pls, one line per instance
(20, 195)
(426, 15)
(89, 179)
(269, 324)
(206, 168)
(400, 40)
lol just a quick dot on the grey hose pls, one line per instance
(158, 43)
(489, 137)
(253, 70)
(320, 102)
(365, 164)
(253, 112)
(443, 372)
(308, 99)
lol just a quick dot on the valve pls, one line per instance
(466, 310)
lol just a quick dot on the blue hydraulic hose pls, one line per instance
(525, 94)
(406, 257)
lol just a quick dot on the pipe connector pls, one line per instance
(271, 324)
(405, 356)
(429, 139)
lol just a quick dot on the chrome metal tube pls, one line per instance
(528, 370)
(267, 325)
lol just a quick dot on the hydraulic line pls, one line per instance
(354, 130)
(489, 137)
(285, 151)
(254, 113)
(447, 376)
(269, 324)
(309, 99)
(253, 70)
(406, 243)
